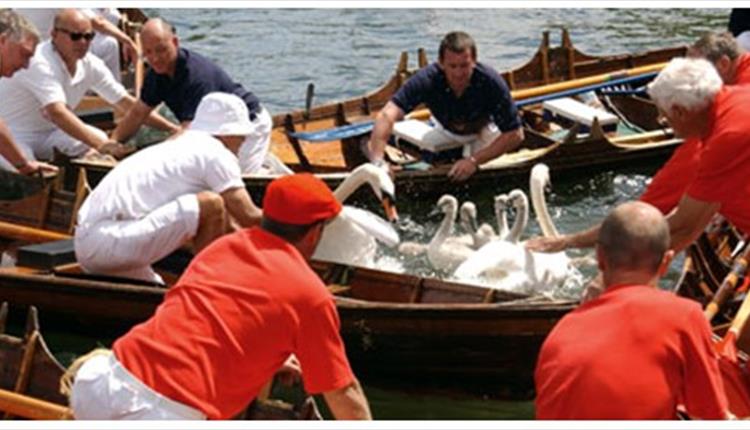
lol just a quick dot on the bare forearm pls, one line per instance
(381, 132)
(349, 403)
(240, 208)
(155, 120)
(129, 125)
(8, 148)
(68, 122)
(506, 142)
(583, 239)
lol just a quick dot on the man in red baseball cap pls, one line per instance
(245, 305)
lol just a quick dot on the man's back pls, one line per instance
(187, 164)
(633, 353)
(233, 320)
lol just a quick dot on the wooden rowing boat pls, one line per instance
(395, 326)
(30, 381)
(550, 69)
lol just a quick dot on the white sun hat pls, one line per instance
(222, 114)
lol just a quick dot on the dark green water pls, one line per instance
(347, 52)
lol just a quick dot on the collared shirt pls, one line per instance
(47, 81)
(244, 304)
(635, 352)
(487, 98)
(722, 171)
(194, 77)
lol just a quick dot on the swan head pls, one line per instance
(380, 182)
(447, 203)
(518, 198)
(501, 203)
(540, 175)
(468, 216)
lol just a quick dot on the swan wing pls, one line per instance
(496, 254)
(345, 242)
(372, 224)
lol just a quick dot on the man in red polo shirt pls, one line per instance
(634, 352)
(244, 305)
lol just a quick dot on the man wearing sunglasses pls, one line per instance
(18, 40)
(41, 116)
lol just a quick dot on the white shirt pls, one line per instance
(47, 81)
(188, 164)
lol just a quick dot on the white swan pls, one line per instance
(521, 203)
(506, 265)
(478, 236)
(443, 253)
(351, 237)
(467, 217)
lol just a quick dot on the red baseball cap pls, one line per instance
(299, 199)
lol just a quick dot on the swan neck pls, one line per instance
(501, 216)
(446, 226)
(349, 185)
(540, 209)
(519, 224)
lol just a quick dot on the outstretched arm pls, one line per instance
(384, 122)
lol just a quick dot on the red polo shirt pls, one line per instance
(245, 303)
(742, 74)
(635, 352)
(723, 169)
(670, 182)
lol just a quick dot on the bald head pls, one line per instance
(72, 18)
(157, 28)
(634, 237)
(160, 46)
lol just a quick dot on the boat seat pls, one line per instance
(581, 113)
(424, 136)
(47, 255)
(336, 133)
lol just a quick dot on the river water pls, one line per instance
(346, 52)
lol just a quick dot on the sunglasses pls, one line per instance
(76, 36)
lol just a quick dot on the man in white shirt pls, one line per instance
(18, 40)
(186, 188)
(41, 99)
(106, 43)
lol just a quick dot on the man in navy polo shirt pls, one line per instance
(469, 101)
(180, 78)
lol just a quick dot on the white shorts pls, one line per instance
(41, 145)
(127, 248)
(253, 150)
(104, 390)
(471, 142)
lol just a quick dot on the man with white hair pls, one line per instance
(690, 95)
(186, 188)
(41, 116)
(18, 40)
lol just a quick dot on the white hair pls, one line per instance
(691, 83)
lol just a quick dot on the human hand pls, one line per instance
(289, 372)
(33, 167)
(116, 149)
(593, 289)
(546, 244)
(462, 170)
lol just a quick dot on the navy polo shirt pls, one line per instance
(487, 98)
(194, 77)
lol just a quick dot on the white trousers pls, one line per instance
(471, 142)
(105, 390)
(41, 145)
(253, 150)
(127, 248)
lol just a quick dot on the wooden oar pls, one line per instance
(728, 284)
(29, 234)
(29, 407)
(558, 89)
(736, 382)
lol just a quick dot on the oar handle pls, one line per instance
(29, 407)
(741, 318)
(728, 284)
(29, 234)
